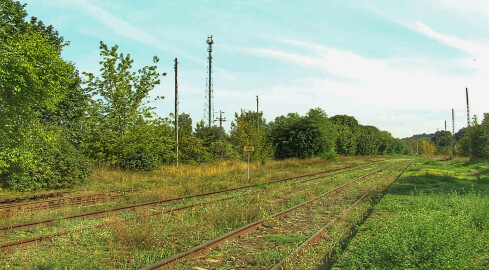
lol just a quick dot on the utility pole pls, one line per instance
(257, 114)
(209, 42)
(468, 122)
(453, 132)
(176, 109)
(445, 125)
(220, 119)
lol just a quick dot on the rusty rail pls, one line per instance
(29, 225)
(11, 209)
(5, 247)
(167, 263)
(35, 197)
(321, 232)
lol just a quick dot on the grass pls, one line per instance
(435, 217)
(128, 242)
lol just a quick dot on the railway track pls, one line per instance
(312, 240)
(34, 240)
(11, 209)
(116, 210)
(35, 197)
(248, 229)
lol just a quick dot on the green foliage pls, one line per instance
(33, 75)
(209, 135)
(443, 141)
(250, 129)
(477, 137)
(303, 136)
(426, 221)
(120, 124)
(146, 146)
(192, 150)
(41, 104)
(184, 125)
(368, 141)
(347, 134)
(46, 159)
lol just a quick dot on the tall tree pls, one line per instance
(38, 105)
(122, 103)
(347, 134)
(250, 129)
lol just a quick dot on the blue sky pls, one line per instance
(397, 65)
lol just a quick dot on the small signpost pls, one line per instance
(249, 149)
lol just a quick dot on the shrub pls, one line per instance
(47, 160)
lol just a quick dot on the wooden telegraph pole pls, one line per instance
(176, 109)
(468, 122)
(453, 132)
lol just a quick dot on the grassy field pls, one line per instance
(131, 241)
(435, 217)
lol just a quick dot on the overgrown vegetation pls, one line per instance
(436, 217)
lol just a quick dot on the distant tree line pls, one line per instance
(474, 139)
(56, 123)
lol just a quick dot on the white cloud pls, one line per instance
(472, 48)
(379, 86)
(130, 31)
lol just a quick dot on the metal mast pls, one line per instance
(210, 93)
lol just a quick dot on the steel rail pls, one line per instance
(11, 209)
(219, 241)
(5, 247)
(29, 225)
(35, 197)
(321, 232)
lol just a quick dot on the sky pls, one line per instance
(398, 65)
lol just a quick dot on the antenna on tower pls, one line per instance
(209, 110)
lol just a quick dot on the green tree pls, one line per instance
(122, 104)
(303, 136)
(443, 141)
(41, 105)
(347, 134)
(33, 76)
(184, 125)
(368, 141)
(250, 129)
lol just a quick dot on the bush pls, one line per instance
(46, 160)
(139, 159)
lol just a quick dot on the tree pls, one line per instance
(443, 141)
(184, 125)
(41, 106)
(250, 129)
(303, 136)
(427, 148)
(347, 134)
(121, 105)
(209, 135)
(33, 76)
(368, 140)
